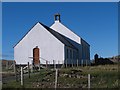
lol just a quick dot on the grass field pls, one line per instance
(102, 76)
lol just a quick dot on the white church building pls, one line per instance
(56, 44)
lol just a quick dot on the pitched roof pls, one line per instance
(59, 36)
(54, 33)
(24, 35)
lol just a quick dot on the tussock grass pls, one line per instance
(102, 76)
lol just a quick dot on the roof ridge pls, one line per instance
(51, 31)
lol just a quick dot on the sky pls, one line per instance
(97, 23)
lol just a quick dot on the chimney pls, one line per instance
(57, 17)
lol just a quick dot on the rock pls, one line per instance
(48, 80)
(80, 86)
(58, 85)
(73, 75)
(50, 83)
(37, 85)
(43, 79)
(65, 75)
(69, 76)
(50, 74)
(78, 76)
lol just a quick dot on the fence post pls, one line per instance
(21, 76)
(88, 80)
(53, 63)
(39, 65)
(72, 62)
(77, 62)
(56, 74)
(46, 63)
(86, 62)
(14, 66)
(6, 65)
(82, 62)
(58, 64)
(28, 69)
(32, 67)
(49, 64)
(16, 74)
(66, 63)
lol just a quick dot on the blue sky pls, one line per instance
(97, 23)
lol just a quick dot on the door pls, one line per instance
(36, 56)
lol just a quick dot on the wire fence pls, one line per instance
(52, 79)
(73, 77)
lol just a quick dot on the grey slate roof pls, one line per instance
(59, 36)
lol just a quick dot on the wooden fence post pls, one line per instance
(54, 64)
(63, 63)
(56, 74)
(16, 74)
(72, 62)
(58, 64)
(88, 80)
(86, 62)
(28, 70)
(39, 65)
(6, 65)
(77, 62)
(66, 63)
(14, 66)
(82, 62)
(32, 66)
(21, 76)
(49, 64)
(46, 64)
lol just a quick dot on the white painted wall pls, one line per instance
(50, 47)
(59, 27)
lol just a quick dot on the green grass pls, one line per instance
(103, 76)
